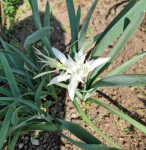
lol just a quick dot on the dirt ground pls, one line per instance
(131, 100)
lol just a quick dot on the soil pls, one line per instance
(131, 100)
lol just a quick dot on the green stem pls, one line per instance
(89, 122)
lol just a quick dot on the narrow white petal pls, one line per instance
(95, 63)
(72, 88)
(59, 55)
(59, 78)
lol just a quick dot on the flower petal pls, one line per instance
(59, 55)
(95, 63)
(72, 88)
(59, 78)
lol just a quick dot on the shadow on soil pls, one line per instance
(120, 107)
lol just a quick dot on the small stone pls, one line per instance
(34, 141)
(74, 116)
(20, 145)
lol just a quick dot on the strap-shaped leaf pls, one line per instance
(88, 146)
(116, 27)
(122, 80)
(72, 19)
(84, 28)
(79, 132)
(47, 18)
(126, 65)
(121, 115)
(78, 17)
(36, 36)
(8, 72)
(5, 126)
(14, 51)
(5, 92)
(89, 122)
(38, 93)
(36, 15)
(125, 37)
(13, 141)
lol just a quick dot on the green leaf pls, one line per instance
(9, 75)
(89, 122)
(36, 36)
(122, 80)
(125, 37)
(121, 115)
(79, 132)
(84, 28)
(5, 126)
(115, 28)
(38, 93)
(47, 18)
(5, 92)
(12, 144)
(126, 65)
(14, 118)
(73, 22)
(15, 51)
(88, 146)
(78, 17)
(36, 15)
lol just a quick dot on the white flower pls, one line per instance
(76, 70)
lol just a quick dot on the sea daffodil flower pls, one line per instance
(76, 70)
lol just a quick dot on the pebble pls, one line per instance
(74, 116)
(20, 145)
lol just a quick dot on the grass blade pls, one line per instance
(78, 17)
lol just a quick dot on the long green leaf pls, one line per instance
(88, 146)
(126, 65)
(36, 36)
(89, 122)
(117, 25)
(9, 75)
(5, 126)
(122, 80)
(78, 17)
(36, 15)
(79, 132)
(47, 18)
(73, 23)
(120, 114)
(84, 28)
(38, 93)
(15, 51)
(5, 92)
(125, 37)
(12, 144)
